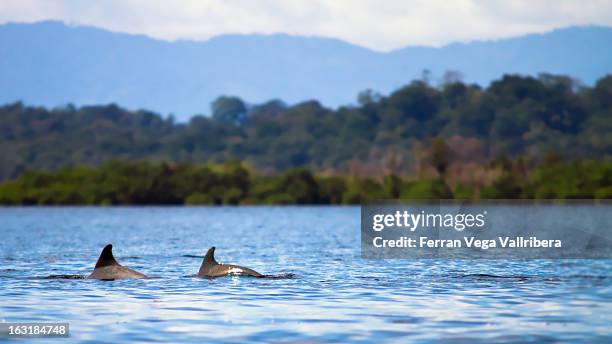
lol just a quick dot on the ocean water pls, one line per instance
(331, 295)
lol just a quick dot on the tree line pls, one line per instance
(381, 135)
(148, 183)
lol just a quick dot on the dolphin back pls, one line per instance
(107, 268)
(210, 267)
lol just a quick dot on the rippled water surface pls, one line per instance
(334, 296)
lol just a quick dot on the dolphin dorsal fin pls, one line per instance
(209, 258)
(106, 257)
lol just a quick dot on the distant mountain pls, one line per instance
(50, 63)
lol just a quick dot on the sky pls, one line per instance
(381, 25)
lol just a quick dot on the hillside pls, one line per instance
(463, 126)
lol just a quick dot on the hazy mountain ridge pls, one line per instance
(50, 63)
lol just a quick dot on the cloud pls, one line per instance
(380, 25)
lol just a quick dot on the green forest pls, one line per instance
(380, 135)
(146, 183)
(520, 137)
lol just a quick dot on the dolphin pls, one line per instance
(210, 267)
(107, 267)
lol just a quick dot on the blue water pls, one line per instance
(335, 296)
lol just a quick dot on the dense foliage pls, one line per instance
(394, 134)
(118, 182)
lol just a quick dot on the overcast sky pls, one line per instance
(377, 24)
